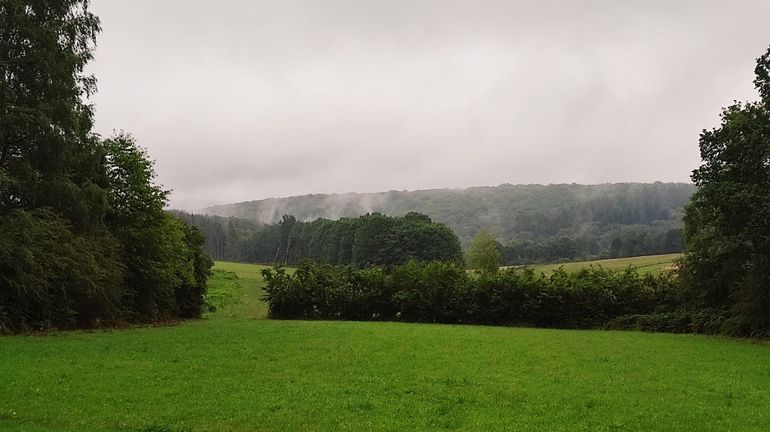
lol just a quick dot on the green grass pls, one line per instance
(643, 264)
(235, 291)
(235, 372)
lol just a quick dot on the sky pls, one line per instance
(238, 100)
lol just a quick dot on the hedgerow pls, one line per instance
(446, 293)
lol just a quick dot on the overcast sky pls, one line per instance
(242, 99)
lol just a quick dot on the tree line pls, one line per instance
(616, 241)
(512, 213)
(235, 239)
(372, 239)
(84, 237)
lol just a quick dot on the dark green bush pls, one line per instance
(682, 321)
(52, 277)
(444, 292)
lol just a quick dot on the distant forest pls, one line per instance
(360, 242)
(532, 223)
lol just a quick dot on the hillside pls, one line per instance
(510, 212)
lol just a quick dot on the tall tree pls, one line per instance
(727, 224)
(84, 238)
(58, 264)
(48, 155)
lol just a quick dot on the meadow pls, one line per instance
(643, 264)
(234, 370)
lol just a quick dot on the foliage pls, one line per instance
(484, 253)
(727, 224)
(443, 292)
(48, 156)
(679, 321)
(535, 223)
(166, 265)
(84, 239)
(51, 276)
(613, 241)
(224, 238)
(372, 239)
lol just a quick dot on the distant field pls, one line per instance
(643, 264)
(235, 371)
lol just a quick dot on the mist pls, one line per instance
(244, 100)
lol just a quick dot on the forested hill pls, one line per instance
(513, 213)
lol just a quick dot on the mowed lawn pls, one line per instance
(643, 264)
(236, 371)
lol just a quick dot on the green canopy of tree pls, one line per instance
(84, 239)
(372, 239)
(727, 224)
(484, 253)
(535, 223)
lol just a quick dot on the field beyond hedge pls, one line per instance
(236, 371)
(652, 264)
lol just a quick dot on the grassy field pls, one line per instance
(643, 264)
(235, 371)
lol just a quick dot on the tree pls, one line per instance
(484, 253)
(727, 223)
(286, 228)
(48, 155)
(376, 241)
(59, 266)
(84, 238)
(166, 272)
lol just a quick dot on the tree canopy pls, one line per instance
(727, 224)
(484, 253)
(372, 239)
(84, 239)
(534, 223)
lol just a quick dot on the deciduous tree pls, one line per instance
(484, 253)
(727, 224)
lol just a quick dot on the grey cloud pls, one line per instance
(240, 100)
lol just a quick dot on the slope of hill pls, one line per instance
(510, 212)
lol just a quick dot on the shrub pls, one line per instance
(683, 321)
(52, 277)
(445, 292)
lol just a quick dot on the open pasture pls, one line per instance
(643, 264)
(236, 371)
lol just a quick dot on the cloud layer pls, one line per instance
(240, 100)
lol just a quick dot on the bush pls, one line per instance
(51, 277)
(445, 292)
(683, 321)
